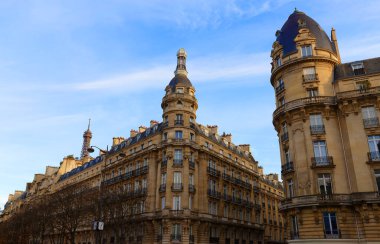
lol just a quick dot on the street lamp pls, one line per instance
(91, 149)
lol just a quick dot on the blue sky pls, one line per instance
(62, 62)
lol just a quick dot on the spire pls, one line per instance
(87, 135)
(181, 62)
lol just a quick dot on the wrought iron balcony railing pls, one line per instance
(178, 122)
(371, 122)
(213, 171)
(213, 193)
(191, 164)
(175, 237)
(317, 129)
(162, 188)
(325, 161)
(374, 156)
(177, 187)
(310, 78)
(287, 168)
(294, 235)
(191, 188)
(177, 162)
(280, 88)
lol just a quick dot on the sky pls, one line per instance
(63, 62)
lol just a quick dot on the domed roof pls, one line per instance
(290, 30)
(180, 79)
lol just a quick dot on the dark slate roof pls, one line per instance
(371, 66)
(290, 30)
(180, 79)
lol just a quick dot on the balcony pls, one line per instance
(334, 235)
(141, 170)
(374, 157)
(322, 162)
(191, 188)
(302, 102)
(162, 188)
(226, 197)
(191, 164)
(317, 129)
(213, 172)
(164, 163)
(226, 177)
(175, 237)
(284, 137)
(359, 93)
(191, 238)
(177, 162)
(176, 212)
(256, 187)
(371, 122)
(287, 168)
(294, 235)
(310, 78)
(178, 122)
(213, 193)
(177, 187)
(280, 88)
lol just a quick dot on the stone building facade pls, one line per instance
(329, 134)
(175, 181)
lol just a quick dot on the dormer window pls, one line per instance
(278, 61)
(306, 51)
(358, 68)
(179, 90)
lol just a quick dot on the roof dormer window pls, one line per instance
(306, 51)
(358, 68)
(179, 90)
(278, 61)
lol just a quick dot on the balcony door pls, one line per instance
(320, 152)
(373, 142)
(330, 225)
(324, 184)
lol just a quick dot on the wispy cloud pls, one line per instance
(201, 70)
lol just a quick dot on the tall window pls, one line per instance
(324, 184)
(177, 178)
(191, 202)
(163, 201)
(313, 92)
(306, 51)
(176, 232)
(212, 164)
(213, 208)
(309, 74)
(280, 85)
(176, 203)
(294, 233)
(373, 143)
(178, 156)
(316, 124)
(178, 134)
(320, 152)
(192, 137)
(278, 61)
(191, 179)
(377, 176)
(163, 178)
(330, 224)
(358, 68)
(212, 185)
(287, 156)
(225, 212)
(290, 192)
(369, 117)
(178, 119)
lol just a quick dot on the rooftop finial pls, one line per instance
(181, 62)
(295, 10)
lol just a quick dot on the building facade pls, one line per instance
(329, 134)
(175, 181)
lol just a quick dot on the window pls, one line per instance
(320, 153)
(178, 155)
(144, 183)
(176, 232)
(287, 156)
(281, 101)
(280, 85)
(363, 86)
(163, 202)
(324, 184)
(178, 119)
(306, 51)
(191, 119)
(212, 164)
(178, 134)
(294, 233)
(373, 144)
(309, 74)
(212, 185)
(176, 203)
(192, 137)
(330, 224)
(278, 61)
(377, 176)
(165, 136)
(290, 192)
(190, 202)
(191, 179)
(312, 92)
(370, 117)
(225, 212)
(225, 190)
(179, 90)
(177, 178)
(213, 208)
(163, 178)
(358, 68)
(316, 124)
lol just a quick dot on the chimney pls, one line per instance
(117, 140)
(334, 40)
(245, 147)
(227, 137)
(142, 128)
(133, 133)
(261, 171)
(153, 123)
(213, 129)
